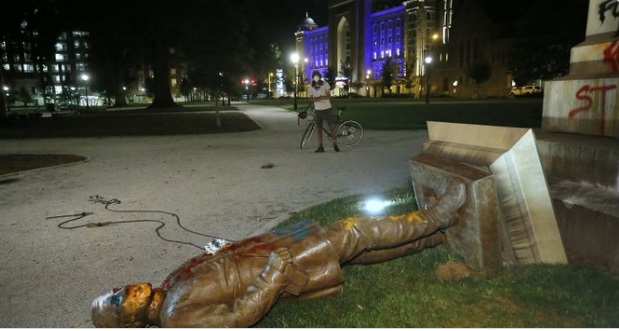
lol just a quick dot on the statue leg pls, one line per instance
(357, 235)
(386, 254)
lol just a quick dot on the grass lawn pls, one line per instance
(100, 123)
(406, 292)
(384, 114)
(138, 122)
(410, 114)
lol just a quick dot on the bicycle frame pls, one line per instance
(349, 132)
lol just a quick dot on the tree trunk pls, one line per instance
(119, 93)
(161, 82)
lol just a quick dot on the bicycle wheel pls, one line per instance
(307, 135)
(349, 133)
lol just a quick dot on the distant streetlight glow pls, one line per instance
(85, 78)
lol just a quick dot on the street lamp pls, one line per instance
(269, 95)
(428, 60)
(85, 78)
(368, 74)
(294, 58)
(247, 88)
(6, 92)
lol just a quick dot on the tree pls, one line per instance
(543, 51)
(346, 70)
(329, 76)
(24, 96)
(185, 88)
(479, 72)
(113, 51)
(220, 56)
(409, 77)
(389, 73)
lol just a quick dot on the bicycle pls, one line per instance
(349, 132)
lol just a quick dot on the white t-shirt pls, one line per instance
(319, 91)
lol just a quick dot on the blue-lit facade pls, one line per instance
(417, 36)
(316, 51)
(386, 41)
(384, 38)
(362, 37)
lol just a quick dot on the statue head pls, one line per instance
(129, 306)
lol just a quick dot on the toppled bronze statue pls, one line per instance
(237, 286)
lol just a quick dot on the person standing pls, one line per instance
(320, 93)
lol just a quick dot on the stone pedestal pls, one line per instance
(508, 217)
(579, 145)
(475, 236)
(587, 100)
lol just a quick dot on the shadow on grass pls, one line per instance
(128, 123)
(13, 163)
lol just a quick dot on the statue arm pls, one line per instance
(248, 308)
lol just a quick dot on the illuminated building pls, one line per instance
(417, 36)
(44, 77)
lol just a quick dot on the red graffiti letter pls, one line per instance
(611, 55)
(580, 96)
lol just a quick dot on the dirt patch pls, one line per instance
(12, 163)
(453, 271)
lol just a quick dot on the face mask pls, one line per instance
(316, 79)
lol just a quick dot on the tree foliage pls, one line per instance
(389, 73)
(479, 72)
(346, 70)
(546, 32)
(329, 76)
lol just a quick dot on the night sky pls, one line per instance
(276, 20)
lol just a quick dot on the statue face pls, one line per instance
(124, 307)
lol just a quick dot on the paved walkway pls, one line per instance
(214, 183)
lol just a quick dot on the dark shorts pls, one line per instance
(322, 115)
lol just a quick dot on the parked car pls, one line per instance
(525, 90)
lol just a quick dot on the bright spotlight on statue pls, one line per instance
(375, 206)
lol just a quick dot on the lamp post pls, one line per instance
(269, 88)
(294, 58)
(247, 88)
(6, 93)
(428, 60)
(368, 74)
(85, 78)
